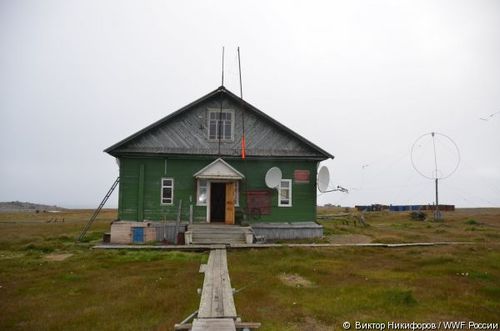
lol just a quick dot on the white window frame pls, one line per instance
(199, 186)
(198, 191)
(217, 124)
(166, 186)
(289, 204)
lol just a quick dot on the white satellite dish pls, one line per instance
(323, 179)
(273, 177)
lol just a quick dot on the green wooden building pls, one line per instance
(194, 155)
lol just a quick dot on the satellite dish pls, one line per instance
(273, 177)
(323, 179)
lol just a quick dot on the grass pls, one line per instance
(367, 284)
(475, 225)
(89, 290)
(153, 290)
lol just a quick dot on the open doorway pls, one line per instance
(217, 202)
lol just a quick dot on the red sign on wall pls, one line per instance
(259, 202)
(301, 176)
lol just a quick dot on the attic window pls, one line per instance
(220, 124)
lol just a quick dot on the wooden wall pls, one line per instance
(140, 188)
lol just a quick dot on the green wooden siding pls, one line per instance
(140, 188)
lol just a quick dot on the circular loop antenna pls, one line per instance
(437, 173)
(273, 177)
(323, 179)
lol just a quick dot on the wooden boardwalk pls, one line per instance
(214, 324)
(217, 295)
(252, 246)
(217, 310)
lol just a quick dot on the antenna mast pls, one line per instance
(222, 66)
(433, 171)
(239, 67)
(219, 121)
(243, 142)
(437, 213)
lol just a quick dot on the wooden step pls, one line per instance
(206, 234)
(216, 234)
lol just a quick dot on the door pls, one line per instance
(230, 203)
(217, 202)
(137, 235)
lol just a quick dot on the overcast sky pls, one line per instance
(361, 79)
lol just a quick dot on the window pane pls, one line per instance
(202, 192)
(167, 192)
(236, 193)
(202, 197)
(212, 130)
(228, 116)
(284, 194)
(167, 182)
(227, 130)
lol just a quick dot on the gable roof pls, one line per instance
(125, 146)
(219, 169)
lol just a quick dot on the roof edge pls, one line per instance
(220, 89)
(164, 119)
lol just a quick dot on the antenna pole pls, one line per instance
(243, 141)
(437, 214)
(222, 66)
(239, 67)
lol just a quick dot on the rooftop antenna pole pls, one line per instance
(243, 142)
(222, 66)
(239, 67)
(219, 122)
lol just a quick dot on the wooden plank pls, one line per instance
(217, 294)
(253, 246)
(214, 324)
(228, 302)
(247, 325)
(206, 294)
(140, 195)
(230, 187)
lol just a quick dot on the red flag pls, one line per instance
(243, 147)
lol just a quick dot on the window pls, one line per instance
(202, 193)
(220, 124)
(167, 191)
(285, 193)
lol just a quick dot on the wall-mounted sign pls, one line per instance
(301, 176)
(259, 202)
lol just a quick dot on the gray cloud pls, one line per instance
(361, 79)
